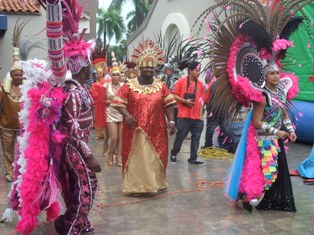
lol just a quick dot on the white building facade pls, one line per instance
(169, 18)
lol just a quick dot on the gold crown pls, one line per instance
(148, 54)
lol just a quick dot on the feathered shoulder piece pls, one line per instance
(242, 35)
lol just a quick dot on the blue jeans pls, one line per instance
(184, 126)
(211, 125)
(233, 134)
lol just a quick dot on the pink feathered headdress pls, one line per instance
(76, 50)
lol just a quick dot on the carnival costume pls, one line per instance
(98, 91)
(56, 120)
(249, 38)
(9, 107)
(113, 114)
(145, 147)
(78, 181)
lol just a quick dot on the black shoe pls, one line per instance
(196, 162)
(247, 206)
(173, 158)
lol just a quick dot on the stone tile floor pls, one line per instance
(184, 209)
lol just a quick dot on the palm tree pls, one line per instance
(110, 23)
(138, 15)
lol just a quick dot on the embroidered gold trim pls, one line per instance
(119, 99)
(145, 89)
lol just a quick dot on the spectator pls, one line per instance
(189, 92)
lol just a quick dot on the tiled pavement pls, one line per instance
(183, 209)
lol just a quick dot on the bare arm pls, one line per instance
(170, 116)
(187, 102)
(130, 120)
(287, 122)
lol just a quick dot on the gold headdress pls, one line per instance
(115, 66)
(99, 57)
(131, 71)
(148, 54)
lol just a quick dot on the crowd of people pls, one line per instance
(118, 101)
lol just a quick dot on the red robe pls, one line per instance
(147, 105)
(98, 93)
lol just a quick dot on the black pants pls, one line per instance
(184, 126)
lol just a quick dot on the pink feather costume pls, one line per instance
(245, 42)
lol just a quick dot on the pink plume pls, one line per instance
(286, 149)
(57, 137)
(53, 212)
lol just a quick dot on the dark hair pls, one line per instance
(193, 65)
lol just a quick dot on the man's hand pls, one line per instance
(189, 103)
(172, 128)
(293, 137)
(93, 164)
(130, 120)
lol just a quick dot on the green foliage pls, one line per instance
(119, 51)
(111, 24)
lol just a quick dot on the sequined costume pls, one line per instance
(145, 147)
(79, 183)
(248, 39)
(98, 92)
(277, 183)
(113, 114)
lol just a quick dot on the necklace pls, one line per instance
(115, 87)
(271, 91)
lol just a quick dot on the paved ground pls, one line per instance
(184, 209)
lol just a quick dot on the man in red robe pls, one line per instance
(144, 103)
(98, 93)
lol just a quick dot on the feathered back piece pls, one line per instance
(16, 38)
(180, 52)
(71, 18)
(76, 50)
(99, 51)
(250, 30)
